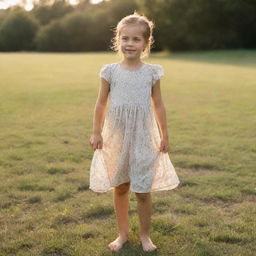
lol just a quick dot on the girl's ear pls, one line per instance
(145, 46)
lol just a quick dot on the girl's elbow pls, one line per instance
(159, 105)
(101, 103)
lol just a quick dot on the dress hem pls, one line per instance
(152, 190)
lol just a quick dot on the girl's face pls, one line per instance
(132, 42)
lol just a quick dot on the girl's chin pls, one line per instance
(130, 57)
(131, 54)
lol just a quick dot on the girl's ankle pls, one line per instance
(123, 233)
(144, 234)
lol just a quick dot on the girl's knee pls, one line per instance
(123, 188)
(143, 196)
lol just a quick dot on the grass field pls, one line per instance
(46, 111)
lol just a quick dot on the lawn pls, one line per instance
(46, 111)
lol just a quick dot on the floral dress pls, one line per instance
(131, 137)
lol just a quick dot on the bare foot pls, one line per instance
(147, 244)
(118, 243)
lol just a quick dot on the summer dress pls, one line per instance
(131, 138)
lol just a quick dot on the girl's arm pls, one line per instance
(99, 113)
(100, 106)
(160, 112)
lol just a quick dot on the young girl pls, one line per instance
(130, 153)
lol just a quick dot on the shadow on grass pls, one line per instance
(130, 249)
(99, 212)
(54, 252)
(239, 57)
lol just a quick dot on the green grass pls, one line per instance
(46, 110)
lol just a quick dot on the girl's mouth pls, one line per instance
(130, 51)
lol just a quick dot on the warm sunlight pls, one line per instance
(96, 1)
(73, 2)
(28, 4)
(6, 3)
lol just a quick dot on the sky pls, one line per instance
(28, 4)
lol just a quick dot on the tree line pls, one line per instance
(180, 25)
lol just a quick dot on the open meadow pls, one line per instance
(46, 110)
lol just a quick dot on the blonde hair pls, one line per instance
(134, 19)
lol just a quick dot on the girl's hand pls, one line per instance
(164, 146)
(96, 141)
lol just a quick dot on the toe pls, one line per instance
(116, 248)
(111, 246)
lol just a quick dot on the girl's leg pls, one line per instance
(144, 208)
(121, 204)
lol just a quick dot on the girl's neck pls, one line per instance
(131, 62)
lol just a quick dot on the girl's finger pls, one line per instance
(99, 145)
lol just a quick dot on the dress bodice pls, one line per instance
(131, 87)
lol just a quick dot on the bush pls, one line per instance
(17, 31)
(74, 32)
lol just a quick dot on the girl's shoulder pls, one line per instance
(155, 66)
(108, 68)
(157, 71)
(109, 65)
(106, 71)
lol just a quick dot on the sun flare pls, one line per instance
(28, 4)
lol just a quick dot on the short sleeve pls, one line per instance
(105, 72)
(158, 72)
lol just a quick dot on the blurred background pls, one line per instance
(83, 25)
(51, 53)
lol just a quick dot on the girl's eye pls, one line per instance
(136, 39)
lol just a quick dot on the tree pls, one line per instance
(17, 31)
(45, 13)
